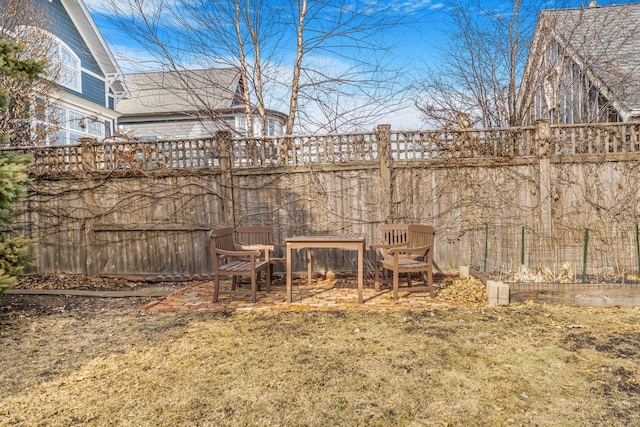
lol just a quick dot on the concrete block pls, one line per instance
(497, 293)
(464, 271)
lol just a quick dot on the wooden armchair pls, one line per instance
(229, 259)
(414, 255)
(391, 235)
(257, 236)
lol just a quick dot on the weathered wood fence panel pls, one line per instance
(125, 208)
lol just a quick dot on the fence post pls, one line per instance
(584, 255)
(88, 243)
(88, 154)
(543, 142)
(383, 136)
(226, 174)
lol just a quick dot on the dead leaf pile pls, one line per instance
(74, 281)
(467, 290)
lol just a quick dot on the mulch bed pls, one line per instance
(34, 305)
(79, 281)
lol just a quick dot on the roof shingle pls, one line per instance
(605, 40)
(188, 91)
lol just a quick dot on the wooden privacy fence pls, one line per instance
(143, 207)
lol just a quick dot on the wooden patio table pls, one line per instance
(347, 241)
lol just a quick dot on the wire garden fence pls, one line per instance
(518, 254)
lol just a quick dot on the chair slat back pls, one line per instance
(254, 235)
(420, 235)
(392, 234)
(222, 238)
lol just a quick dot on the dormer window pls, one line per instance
(69, 65)
(64, 63)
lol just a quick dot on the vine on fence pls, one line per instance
(498, 178)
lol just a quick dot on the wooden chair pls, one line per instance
(415, 255)
(250, 236)
(229, 259)
(390, 235)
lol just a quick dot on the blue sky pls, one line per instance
(420, 43)
(414, 44)
(419, 37)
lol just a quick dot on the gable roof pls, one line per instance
(188, 91)
(604, 42)
(83, 21)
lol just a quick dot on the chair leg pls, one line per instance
(268, 278)
(396, 279)
(216, 288)
(430, 280)
(271, 268)
(376, 282)
(254, 288)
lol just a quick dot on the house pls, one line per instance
(90, 81)
(583, 66)
(189, 104)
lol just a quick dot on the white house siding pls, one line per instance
(170, 129)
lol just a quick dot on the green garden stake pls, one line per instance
(486, 245)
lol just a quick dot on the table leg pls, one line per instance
(288, 255)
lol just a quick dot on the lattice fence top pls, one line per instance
(298, 150)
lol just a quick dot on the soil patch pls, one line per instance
(35, 305)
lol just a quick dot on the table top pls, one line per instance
(343, 237)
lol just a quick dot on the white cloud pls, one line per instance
(134, 60)
(129, 7)
(409, 118)
(403, 7)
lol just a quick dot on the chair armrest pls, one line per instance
(381, 251)
(384, 246)
(420, 250)
(237, 253)
(259, 247)
(255, 247)
(279, 249)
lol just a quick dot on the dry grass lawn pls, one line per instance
(517, 365)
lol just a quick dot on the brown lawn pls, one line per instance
(516, 365)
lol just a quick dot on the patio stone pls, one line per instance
(320, 295)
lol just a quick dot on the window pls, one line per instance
(274, 127)
(241, 125)
(65, 63)
(69, 69)
(75, 125)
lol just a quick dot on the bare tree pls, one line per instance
(297, 56)
(480, 73)
(490, 76)
(30, 117)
